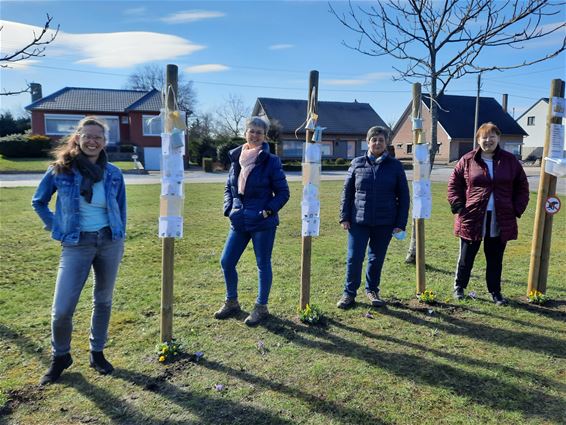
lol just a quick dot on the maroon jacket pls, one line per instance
(469, 188)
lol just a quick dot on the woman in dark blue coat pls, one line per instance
(255, 191)
(374, 206)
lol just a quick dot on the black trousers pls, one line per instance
(493, 249)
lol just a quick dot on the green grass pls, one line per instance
(39, 165)
(454, 363)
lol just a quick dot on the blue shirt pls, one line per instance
(94, 216)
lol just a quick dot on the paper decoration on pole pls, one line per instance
(172, 197)
(312, 154)
(422, 197)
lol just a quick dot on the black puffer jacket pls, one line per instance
(375, 194)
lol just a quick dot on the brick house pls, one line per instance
(456, 127)
(346, 125)
(128, 113)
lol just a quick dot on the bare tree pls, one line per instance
(152, 76)
(232, 115)
(436, 42)
(33, 49)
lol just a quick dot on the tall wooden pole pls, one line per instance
(477, 113)
(168, 248)
(306, 244)
(540, 249)
(419, 222)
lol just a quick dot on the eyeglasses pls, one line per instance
(258, 132)
(92, 137)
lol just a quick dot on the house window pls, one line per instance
(530, 120)
(327, 148)
(152, 125)
(363, 145)
(409, 148)
(113, 134)
(351, 149)
(61, 125)
(293, 148)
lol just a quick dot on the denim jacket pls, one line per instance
(64, 222)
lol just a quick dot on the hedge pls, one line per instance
(25, 146)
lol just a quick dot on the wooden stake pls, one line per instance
(306, 243)
(168, 248)
(540, 249)
(419, 222)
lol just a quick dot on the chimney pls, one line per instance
(35, 89)
(504, 102)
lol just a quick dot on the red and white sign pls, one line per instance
(552, 205)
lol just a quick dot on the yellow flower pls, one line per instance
(161, 358)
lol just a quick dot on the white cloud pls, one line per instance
(191, 16)
(211, 67)
(378, 75)
(20, 65)
(135, 11)
(281, 46)
(106, 50)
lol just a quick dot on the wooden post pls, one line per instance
(542, 231)
(168, 248)
(306, 243)
(419, 222)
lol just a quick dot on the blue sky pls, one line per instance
(252, 49)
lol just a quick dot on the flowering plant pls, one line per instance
(537, 297)
(427, 297)
(167, 351)
(311, 314)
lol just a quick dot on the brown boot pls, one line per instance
(230, 308)
(258, 314)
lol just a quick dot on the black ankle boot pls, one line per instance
(58, 365)
(99, 363)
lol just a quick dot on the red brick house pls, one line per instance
(346, 125)
(456, 127)
(128, 113)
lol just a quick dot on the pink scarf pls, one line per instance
(248, 157)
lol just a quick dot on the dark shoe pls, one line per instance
(498, 299)
(230, 308)
(99, 363)
(374, 298)
(459, 293)
(346, 302)
(258, 314)
(58, 365)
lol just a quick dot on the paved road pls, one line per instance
(439, 174)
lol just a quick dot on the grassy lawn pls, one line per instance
(39, 165)
(464, 362)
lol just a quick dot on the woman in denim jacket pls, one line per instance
(255, 191)
(90, 222)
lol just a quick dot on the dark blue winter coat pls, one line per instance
(375, 194)
(266, 189)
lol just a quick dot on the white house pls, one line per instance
(533, 121)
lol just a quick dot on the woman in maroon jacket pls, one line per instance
(488, 190)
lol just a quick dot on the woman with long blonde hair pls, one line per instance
(89, 220)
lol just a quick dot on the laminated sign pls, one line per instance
(172, 177)
(422, 197)
(310, 204)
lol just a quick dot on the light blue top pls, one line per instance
(94, 216)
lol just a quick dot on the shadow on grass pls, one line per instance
(430, 268)
(457, 359)
(503, 337)
(476, 387)
(210, 409)
(553, 309)
(329, 409)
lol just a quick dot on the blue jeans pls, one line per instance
(358, 237)
(233, 249)
(96, 250)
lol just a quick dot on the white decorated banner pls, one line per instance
(170, 227)
(310, 205)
